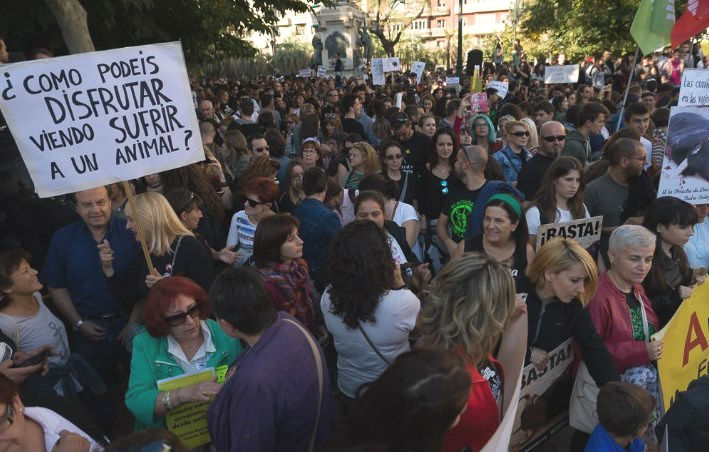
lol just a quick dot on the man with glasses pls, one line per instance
(78, 286)
(591, 120)
(608, 195)
(258, 146)
(552, 137)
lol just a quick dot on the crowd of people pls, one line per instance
(355, 259)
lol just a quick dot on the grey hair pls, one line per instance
(631, 236)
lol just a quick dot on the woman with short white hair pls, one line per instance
(622, 314)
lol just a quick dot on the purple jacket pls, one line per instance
(270, 402)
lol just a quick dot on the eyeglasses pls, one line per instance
(253, 203)
(309, 151)
(481, 126)
(181, 318)
(552, 138)
(393, 157)
(642, 159)
(262, 149)
(520, 134)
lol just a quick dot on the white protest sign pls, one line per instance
(685, 165)
(501, 87)
(417, 68)
(586, 231)
(392, 64)
(695, 88)
(305, 73)
(561, 74)
(378, 77)
(97, 118)
(452, 81)
(543, 400)
(322, 72)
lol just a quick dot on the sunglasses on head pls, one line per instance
(520, 134)
(554, 138)
(253, 203)
(181, 318)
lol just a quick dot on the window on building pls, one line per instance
(300, 29)
(419, 24)
(441, 23)
(441, 2)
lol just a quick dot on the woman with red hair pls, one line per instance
(260, 193)
(179, 339)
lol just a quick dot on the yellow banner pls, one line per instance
(189, 421)
(686, 345)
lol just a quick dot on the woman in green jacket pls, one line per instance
(179, 340)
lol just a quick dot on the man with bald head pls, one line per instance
(470, 166)
(552, 137)
(206, 109)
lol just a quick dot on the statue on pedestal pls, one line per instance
(317, 52)
(365, 41)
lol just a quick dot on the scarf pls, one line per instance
(296, 286)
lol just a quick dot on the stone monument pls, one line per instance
(337, 30)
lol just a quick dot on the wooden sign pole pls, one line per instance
(138, 227)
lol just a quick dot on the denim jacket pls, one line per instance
(510, 162)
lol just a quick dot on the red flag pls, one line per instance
(694, 21)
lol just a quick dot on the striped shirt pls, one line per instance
(241, 233)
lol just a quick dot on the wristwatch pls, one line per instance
(78, 324)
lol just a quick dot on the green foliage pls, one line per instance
(580, 27)
(210, 30)
(291, 56)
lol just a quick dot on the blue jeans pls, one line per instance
(104, 354)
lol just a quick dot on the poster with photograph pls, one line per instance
(685, 165)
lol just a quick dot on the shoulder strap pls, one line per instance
(318, 363)
(174, 256)
(406, 185)
(371, 344)
(643, 313)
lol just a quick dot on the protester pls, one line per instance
(624, 411)
(406, 183)
(559, 198)
(591, 119)
(637, 118)
(34, 329)
(179, 339)
(318, 224)
(277, 395)
(312, 153)
(553, 137)
(79, 289)
(438, 175)
(278, 254)
(426, 390)
(608, 195)
(565, 278)
(36, 428)
(367, 307)
(474, 296)
(186, 206)
(514, 155)
(292, 192)
(670, 279)
(470, 168)
(174, 251)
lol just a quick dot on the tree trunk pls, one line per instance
(71, 17)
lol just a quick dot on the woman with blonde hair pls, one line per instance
(173, 249)
(565, 278)
(466, 309)
(363, 160)
(533, 143)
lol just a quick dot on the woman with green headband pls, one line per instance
(503, 238)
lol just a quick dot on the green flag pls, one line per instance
(653, 24)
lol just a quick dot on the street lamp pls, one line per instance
(459, 64)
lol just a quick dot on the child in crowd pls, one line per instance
(623, 413)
